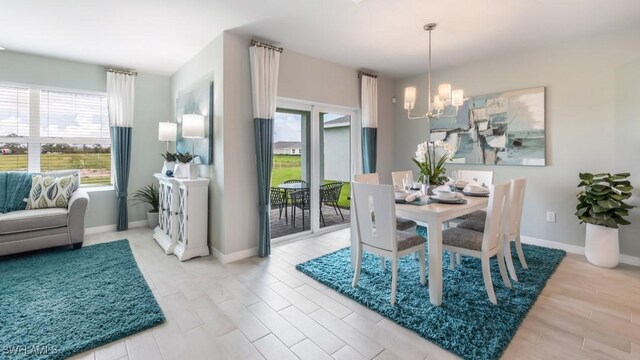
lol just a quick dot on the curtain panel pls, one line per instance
(265, 64)
(369, 104)
(120, 99)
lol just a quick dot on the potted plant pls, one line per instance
(185, 167)
(431, 167)
(169, 162)
(601, 205)
(148, 194)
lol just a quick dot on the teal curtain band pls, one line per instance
(369, 149)
(121, 150)
(264, 139)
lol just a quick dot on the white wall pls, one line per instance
(592, 124)
(151, 106)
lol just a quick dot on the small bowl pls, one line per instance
(401, 194)
(448, 195)
(475, 189)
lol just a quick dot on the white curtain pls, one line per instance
(265, 64)
(369, 100)
(120, 97)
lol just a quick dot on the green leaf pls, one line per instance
(586, 176)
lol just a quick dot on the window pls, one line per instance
(48, 130)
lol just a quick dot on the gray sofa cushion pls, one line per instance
(31, 220)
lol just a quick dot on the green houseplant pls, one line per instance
(601, 204)
(186, 168)
(169, 162)
(149, 195)
(431, 167)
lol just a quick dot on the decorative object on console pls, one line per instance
(148, 194)
(185, 168)
(169, 162)
(601, 205)
(431, 167)
(198, 101)
(504, 128)
(444, 98)
(182, 228)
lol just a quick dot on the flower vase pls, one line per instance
(181, 171)
(168, 166)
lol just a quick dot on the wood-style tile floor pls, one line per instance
(264, 308)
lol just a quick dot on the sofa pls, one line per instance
(26, 230)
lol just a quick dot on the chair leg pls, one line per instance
(302, 219)
(520, 253)
(488, 284)
(322, 216)
(356, 274)
(452, 260)
(503, 269)
(423, 278)
(459, 258)
(280, 209)
(394, 279)
(383, 263)
(335, 208)
(286, 216)
(340, 211)
(509, 260)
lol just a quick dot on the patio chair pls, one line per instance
(279, 201)
(301, 199)
(329, 195)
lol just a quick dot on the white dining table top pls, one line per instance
(442, 211)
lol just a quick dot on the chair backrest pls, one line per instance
(301, 199)
(514, 208)
(397, 176)
(277, 196)
(372, 178)
(494, 224)
(375, 201)
(484, 178)
(330, 192)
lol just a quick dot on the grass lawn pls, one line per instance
(288, 167)
(94, 168)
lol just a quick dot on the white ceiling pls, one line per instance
(385, 36)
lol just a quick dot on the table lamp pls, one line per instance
(167, 131)
(193, 128)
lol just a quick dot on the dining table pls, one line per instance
(435, 215)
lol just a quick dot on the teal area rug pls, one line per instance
(466, 324)
(58, 303)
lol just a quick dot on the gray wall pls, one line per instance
(592, 124)
(151, 106)
(233, 205)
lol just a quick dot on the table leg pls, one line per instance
(435, 262)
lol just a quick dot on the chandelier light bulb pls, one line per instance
(409, 97)
(444, 91)
(457, 97)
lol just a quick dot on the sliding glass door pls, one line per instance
(313, 163)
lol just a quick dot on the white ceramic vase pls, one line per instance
(602, 246)
(181, 171)
(153, 219)
(168, 165)
(193, 171)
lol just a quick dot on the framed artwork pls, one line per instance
(197, 101)
(506, 128)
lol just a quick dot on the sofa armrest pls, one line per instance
(78, 204)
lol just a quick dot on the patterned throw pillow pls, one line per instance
(50, 192)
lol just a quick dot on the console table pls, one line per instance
(182, 228)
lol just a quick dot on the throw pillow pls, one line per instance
(18, 186)
(50, 192)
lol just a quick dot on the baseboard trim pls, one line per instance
(114, 227)
(229, 258)
(575, 249)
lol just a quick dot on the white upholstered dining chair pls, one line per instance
(398, 176)
(372, 178)
(375, 212)
(513, 217)
(484, 178)
(483, 245)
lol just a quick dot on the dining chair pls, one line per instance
(401, 223)
(380, 236)
(278, 199)
(513, 217)
(398, 176)
(330, 195)
(301, 199)
(486, 244)
(482, 177)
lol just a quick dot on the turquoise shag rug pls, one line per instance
(58, 303)
(466, 324)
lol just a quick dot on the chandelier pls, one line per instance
(445, 96)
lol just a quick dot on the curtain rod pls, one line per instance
(362, 73)
(261, 44)
(121, 71)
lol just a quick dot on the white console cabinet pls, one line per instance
(182, 228)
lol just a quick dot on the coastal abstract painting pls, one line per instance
(197, 101)
(506, 128)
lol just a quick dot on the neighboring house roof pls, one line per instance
(339, 122)
(287, 145)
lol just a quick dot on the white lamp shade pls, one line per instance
(167, 131)
(457, 97)
(409, 97)
(193, 126)
(444, 91)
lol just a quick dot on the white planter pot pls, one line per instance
(181, 171)
(193, 171)
(168, 165)
(602, 247)
(152, 219)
